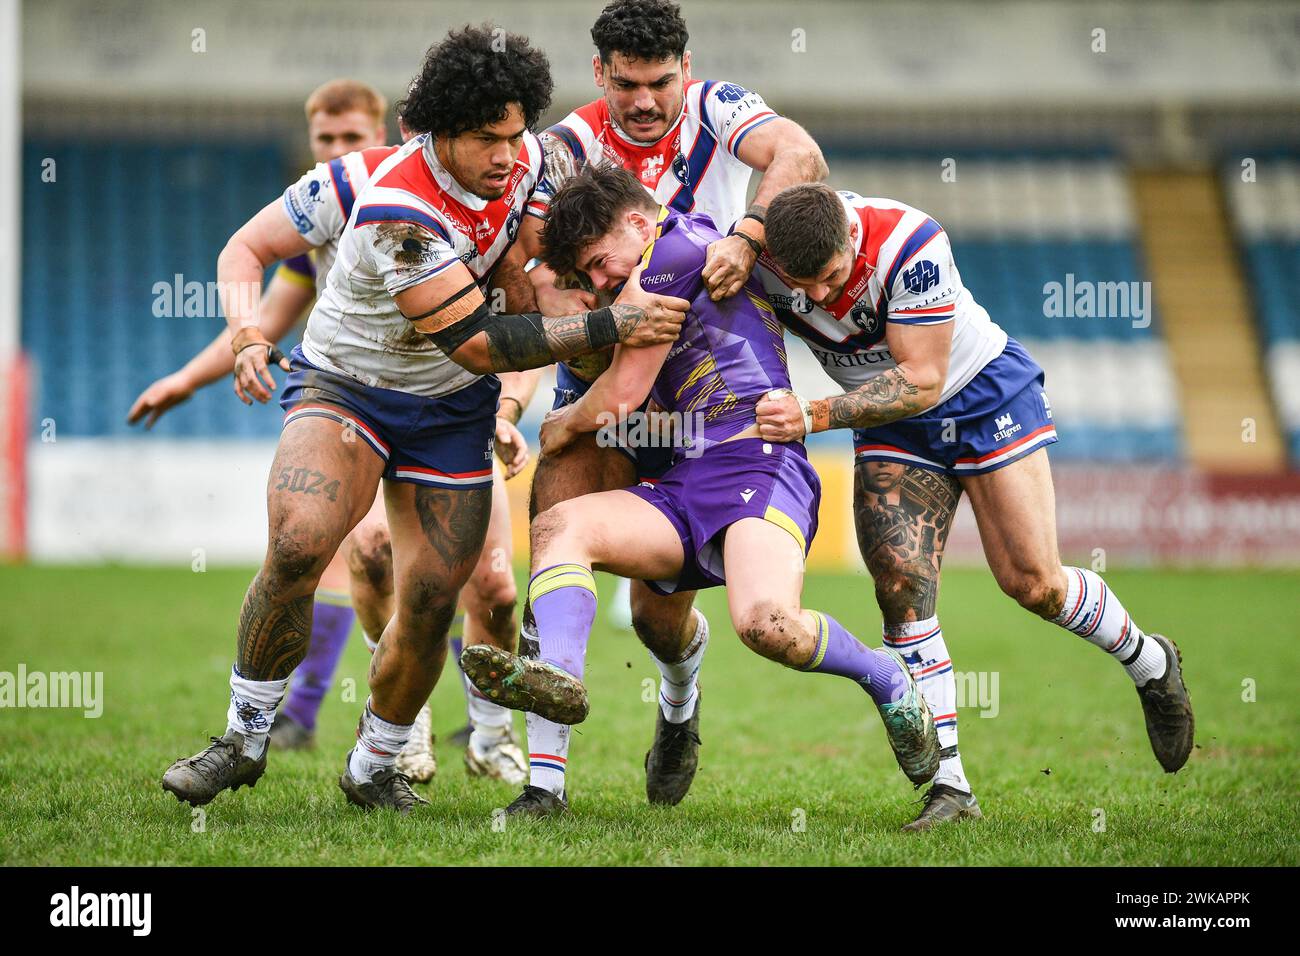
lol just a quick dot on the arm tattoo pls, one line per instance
(902, 516)
(542, 340)
(884, 398)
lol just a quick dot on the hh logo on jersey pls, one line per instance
(921, 276)
(651, 167)
(865, 318)
(1005, 427)
(731, 93)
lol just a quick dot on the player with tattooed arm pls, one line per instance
(395, 380)
(941, 402)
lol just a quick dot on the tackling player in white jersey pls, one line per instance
(394, 380)
(693, 144)
(941, 402)
(346, 135)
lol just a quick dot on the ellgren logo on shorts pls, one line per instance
(1006, 427)
(921, 276)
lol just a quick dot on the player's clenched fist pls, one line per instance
(645, 318)
(782, 416)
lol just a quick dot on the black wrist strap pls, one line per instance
(602, 331)
(750, 240)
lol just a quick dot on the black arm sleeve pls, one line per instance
(521, 341)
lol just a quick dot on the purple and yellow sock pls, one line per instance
(839, 652)
(331, 622)
(563, 598)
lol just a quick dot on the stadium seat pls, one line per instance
(106, 240)
(1266, 213)
(1018, 224)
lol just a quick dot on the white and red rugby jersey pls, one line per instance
(320, 203)
(903, 271)
(410, 221)
(692, 168)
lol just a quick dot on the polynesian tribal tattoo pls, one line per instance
(517, 345)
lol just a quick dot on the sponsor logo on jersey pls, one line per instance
(659, 279)
(1005, 427)
(921, 276)
(798, 303)
(860, 286)
(651, 167)
(851, 359)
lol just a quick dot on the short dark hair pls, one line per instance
(585, 208)
(805, 227)
(470, 79)
(641, 30)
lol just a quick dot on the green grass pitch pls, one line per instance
(794, 768)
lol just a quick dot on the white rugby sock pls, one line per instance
(922, 646)
(252, 709)
(548, 753)
(1093, 612)
(378, 744)
(678, 688)
(488, 721)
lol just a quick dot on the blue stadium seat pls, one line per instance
(118, 219)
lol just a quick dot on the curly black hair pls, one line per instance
(585, 208)
(640, 30)
(470, 78)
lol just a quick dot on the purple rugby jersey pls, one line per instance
(729, 353)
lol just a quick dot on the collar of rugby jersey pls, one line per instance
(447, 182)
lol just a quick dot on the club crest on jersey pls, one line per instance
(864, 317)
(680, 170)
(512, 225)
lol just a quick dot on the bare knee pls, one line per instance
(370, 556)
(662, 634)
(1039, 591)
(494, 590)
(772, 630)
(551, 525)
(902, 589)
(295, 561)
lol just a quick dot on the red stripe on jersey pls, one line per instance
(877, 226)
(372, 157)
